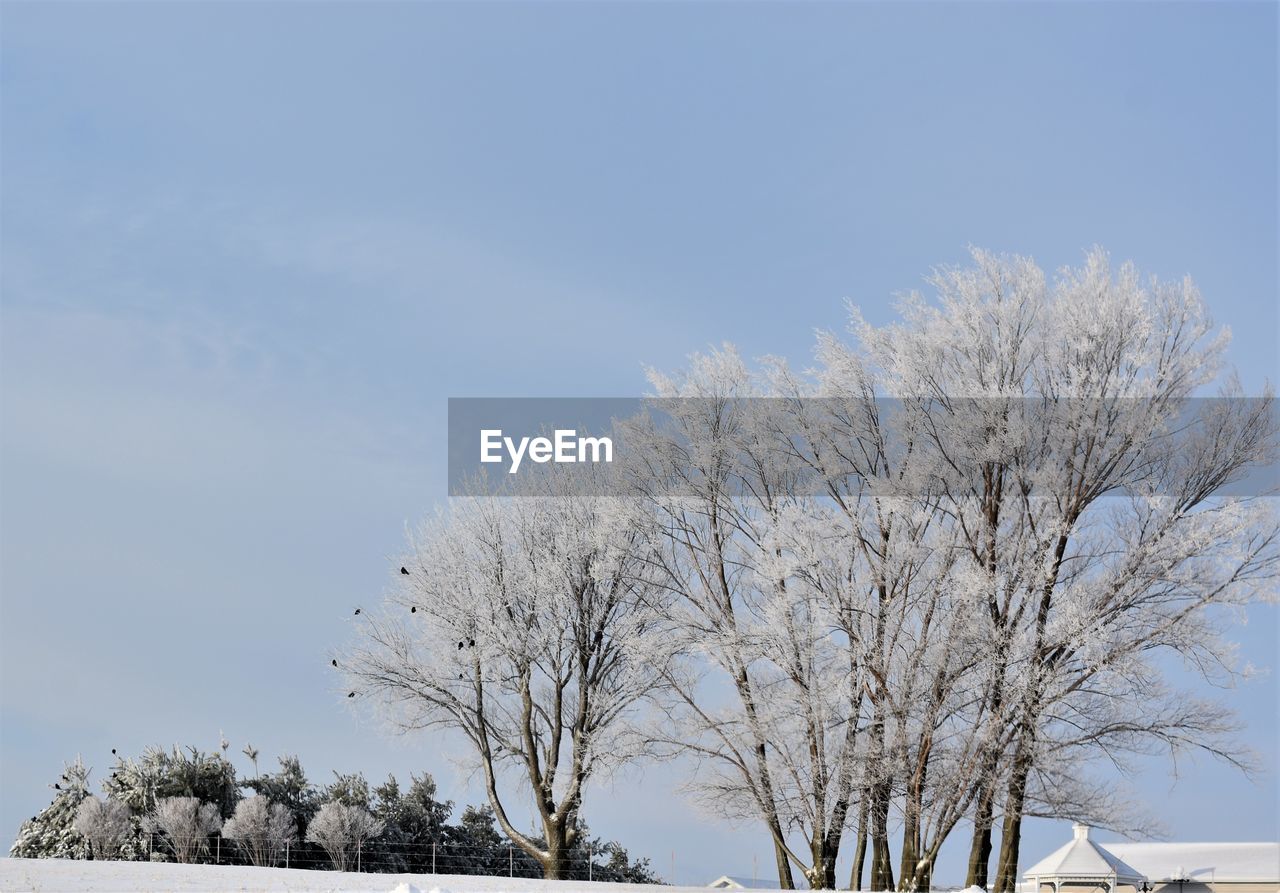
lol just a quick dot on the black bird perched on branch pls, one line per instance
(404, 570)
(413, 610)
(471, 643)
(57, 787)
(351, 694)
(357, 610)
(113, 750)
(334, 661)
(459, 646)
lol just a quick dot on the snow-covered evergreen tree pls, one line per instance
(415, 825)
(176, 772)
(290, 788)
(51, 833)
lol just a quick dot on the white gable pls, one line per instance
(1082, 858)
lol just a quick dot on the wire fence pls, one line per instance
(501, 859)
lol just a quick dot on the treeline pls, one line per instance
(188, 805)
(923, 590)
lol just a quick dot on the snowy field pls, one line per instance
(77, 876)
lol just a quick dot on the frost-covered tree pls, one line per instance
(529, 625)
(928, 583)
(723, 495)
(106, 824)
(1090, 498)
(935, 575)
(878, 552)
(342, 830)
(51, 833)
(186, 825)
(175, 772)
(810, 583)
(261, 829)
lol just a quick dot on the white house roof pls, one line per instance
(1082, 858)
(1220, 862)
(738, 882)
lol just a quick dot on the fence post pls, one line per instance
(511, 861)
(433, 857)
(217, 850)
(286, 854)
(357, 855)
(590, 865)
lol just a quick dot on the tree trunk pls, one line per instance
(860, 849)
(881, 864)
(882, 790)
(785, 881)
(980, 848)
(823, 851)
(1015, 800)
(1007, 867)
(923, 879)
(910, 848)
(984, 810)
(555, 863)
(910, 866)
(1024, 753)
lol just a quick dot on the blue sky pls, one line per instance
(249, 250)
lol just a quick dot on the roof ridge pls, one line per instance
(1187, 843)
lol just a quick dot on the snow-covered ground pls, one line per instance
(74, 876)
